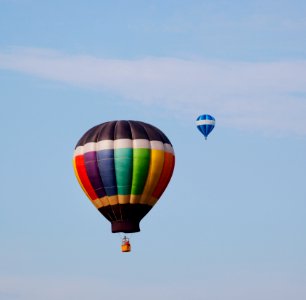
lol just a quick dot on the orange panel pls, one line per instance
(169, 161)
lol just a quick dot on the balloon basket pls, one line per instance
(125, 246)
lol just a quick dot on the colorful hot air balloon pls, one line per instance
(205, 123)
(124, 167)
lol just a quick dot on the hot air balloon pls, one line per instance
(124, 167)
(205, 123)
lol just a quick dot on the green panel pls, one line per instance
(141, 163)
(124, 170)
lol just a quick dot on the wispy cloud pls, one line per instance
(268, 96)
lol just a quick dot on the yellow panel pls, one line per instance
(155, 169)
(113, 200)
(105, 201)
(97, 203)
(135, 199)
(124, 199)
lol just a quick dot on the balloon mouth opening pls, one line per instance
(126, 226)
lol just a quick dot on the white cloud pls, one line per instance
(269, 97)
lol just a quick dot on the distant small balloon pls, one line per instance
(205, 123)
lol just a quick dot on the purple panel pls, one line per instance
(93, 174)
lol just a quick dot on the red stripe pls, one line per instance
(80, 167)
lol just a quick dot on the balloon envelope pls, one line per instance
(124, 167)
(205, 123)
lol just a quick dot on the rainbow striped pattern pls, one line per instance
(124, 167)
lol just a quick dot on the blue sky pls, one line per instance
(231, 224)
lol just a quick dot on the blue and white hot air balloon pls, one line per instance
(205, 123)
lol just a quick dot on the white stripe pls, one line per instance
(123, 143)
(141, 143)
(206, 122)
(169, 148)
(78, 151)
(105, 145)
(157, 145)
(89, 147)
